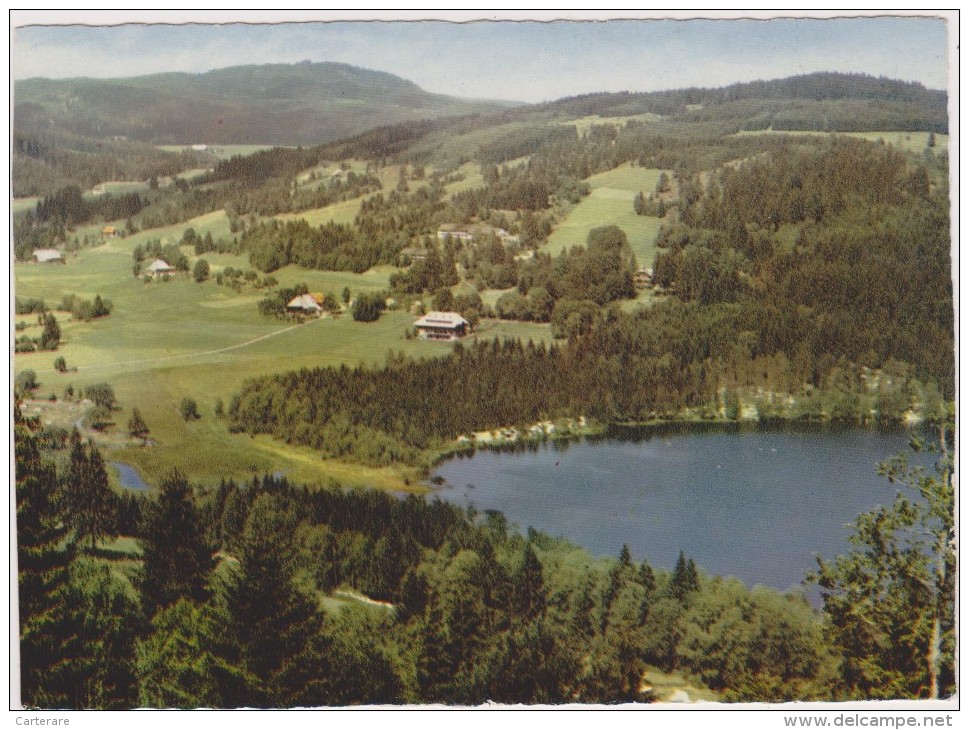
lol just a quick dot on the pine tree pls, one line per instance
(584, 618)
(99, 638)
(50, 338)
(186, 661)
(684, 580)
(276, 623)
(530, 592)
(647, 579)
(232, 520)
(42, 571)
(620, 574)
(137, 427)
(100, 308)
(88, 500)
(176, 558)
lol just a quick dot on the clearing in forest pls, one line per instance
(611, 203)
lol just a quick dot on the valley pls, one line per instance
(254, 346)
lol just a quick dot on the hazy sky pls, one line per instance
(524, 61)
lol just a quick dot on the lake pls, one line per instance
(755, 503)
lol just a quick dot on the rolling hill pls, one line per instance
(280, 104)
(86, 131)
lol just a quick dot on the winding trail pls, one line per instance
(363, 599)
(204, 353)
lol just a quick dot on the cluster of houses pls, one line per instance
(445, 326)
(465, 233)
(475, 231)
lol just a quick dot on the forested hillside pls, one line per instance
(791, 271)
(825, 102)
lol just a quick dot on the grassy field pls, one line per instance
(193, 173)
(584, 124)
(222, 151)
(18, 205)
(343, 212)
(491, 296)
(169, 340)
(611, 203)
(472, 179)
(117, 187)
(215, 223)
(346, 211)
(325, 169)
(915, 142)
(442, 148)
(645, 297)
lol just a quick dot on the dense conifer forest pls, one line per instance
(226, 605)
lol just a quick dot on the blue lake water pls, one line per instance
(129, 477)
(757, 504)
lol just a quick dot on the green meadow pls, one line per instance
(166, 341)
(222, 151)
(914, 142)
(472, 179)
(118, 187)
(18, 205)
(343, 212)
(584, 124)
(325, 169)
(346, 211)
(611, 203)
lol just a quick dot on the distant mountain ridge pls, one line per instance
(303, 103)
(85, 131)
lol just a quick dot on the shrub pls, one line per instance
(24, 343)
(189, 409)
(101, 394)
(367, 307)
(26, 382)
(201, 270)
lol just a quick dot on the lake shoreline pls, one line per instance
(512, 439)
(576, 429)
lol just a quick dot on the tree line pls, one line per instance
(46, 160)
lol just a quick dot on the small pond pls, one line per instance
(129, 476)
